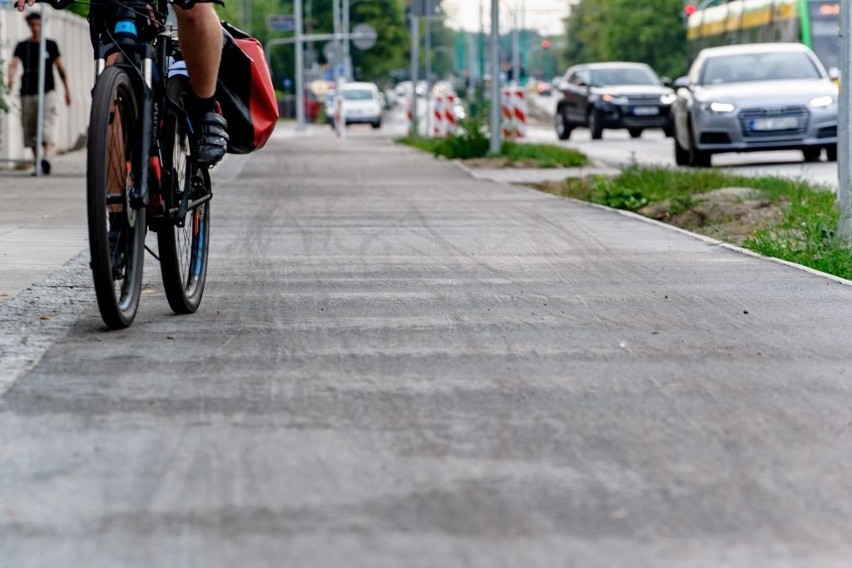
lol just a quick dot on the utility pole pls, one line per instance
(844, 139)
(427, 60)
(415, 68)
(347, 61)
(496, 142)
(516, 49)
(481, 83)
(42, 50)
(300, 64)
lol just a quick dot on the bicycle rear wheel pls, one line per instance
(183, 249)
(116, 229)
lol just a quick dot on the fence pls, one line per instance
(71, 33)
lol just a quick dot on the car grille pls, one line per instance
(643, 99)
(747, 116)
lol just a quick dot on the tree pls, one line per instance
(650, 32)
(386, 16)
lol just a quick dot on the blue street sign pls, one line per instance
(280, 23)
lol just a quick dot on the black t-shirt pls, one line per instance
(27, 52)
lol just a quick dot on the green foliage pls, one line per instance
(472, 143)
(475, 143)
(806, 235)
(620, 198)
(626, 30)
(547, 155)
(386, 16)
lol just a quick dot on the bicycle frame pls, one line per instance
(146, 58)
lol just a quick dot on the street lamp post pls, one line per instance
(496, 143)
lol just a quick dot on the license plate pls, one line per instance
(779, 123)
(646, 111)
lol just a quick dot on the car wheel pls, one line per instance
(697, 158)
(563, 129)
(812, 154)
(635, 132)
(376, 125)
(668, 130)
(596, 124)
(831, 153)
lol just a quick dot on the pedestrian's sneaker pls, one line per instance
(211, 138)
(45, 167)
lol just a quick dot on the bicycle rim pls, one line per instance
(183, 250)
(116, 230)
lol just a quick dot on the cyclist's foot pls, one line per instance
(211, 137)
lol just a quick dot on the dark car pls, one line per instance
(613, 95)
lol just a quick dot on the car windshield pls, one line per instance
(743, 67)
(357, 95)
(623, 76)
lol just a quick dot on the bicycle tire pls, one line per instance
(183, 250)
(116, 230)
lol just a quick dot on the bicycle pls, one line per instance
(141, 173)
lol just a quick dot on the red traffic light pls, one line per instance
(545, 44)
(690, 8)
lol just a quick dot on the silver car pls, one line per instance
(746, 98)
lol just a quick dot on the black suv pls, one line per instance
(613, 95)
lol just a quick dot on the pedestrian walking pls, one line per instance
(27, 57)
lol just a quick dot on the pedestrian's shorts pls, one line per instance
(29, 116)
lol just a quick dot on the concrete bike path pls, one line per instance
(398, 365)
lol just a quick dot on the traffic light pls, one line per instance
(545, 43)
(689, 9)
(426, 8)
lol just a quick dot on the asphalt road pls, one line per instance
(617, 148)
(398, 365)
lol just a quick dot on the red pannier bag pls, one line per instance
(245, 92)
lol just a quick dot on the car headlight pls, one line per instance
(613, 99)
(668, 99)
(718, 108)
(821, 102)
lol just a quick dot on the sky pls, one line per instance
(543, 15)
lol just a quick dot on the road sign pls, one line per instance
(364, 36)
(333, 52)
(280, 23)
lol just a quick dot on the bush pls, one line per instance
(472, 143)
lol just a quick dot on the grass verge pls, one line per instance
(788, 219)
(474, 146)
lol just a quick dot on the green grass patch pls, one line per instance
(475, 144)
(803, 230)
(546, 155)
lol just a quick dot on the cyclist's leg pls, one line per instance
(202, 54)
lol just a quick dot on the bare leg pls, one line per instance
(202, 47)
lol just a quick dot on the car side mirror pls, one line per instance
(681, 83)
(667, 81)
(834, 73)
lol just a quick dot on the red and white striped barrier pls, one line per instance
(514, 104)
(450, 121)
(439, 125)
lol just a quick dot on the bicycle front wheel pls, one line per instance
(116, 228)
(183, 243)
